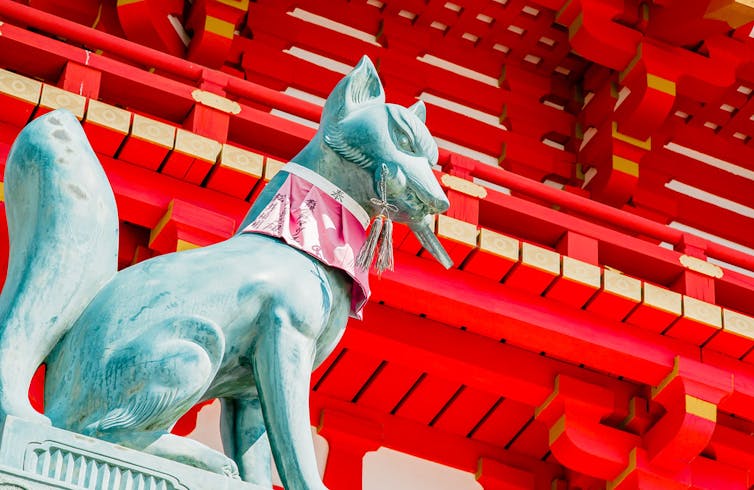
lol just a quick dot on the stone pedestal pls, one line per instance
(37, 457)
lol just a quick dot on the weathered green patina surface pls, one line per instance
(245, 320)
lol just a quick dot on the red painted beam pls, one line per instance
(701, 175)
(612, 227)
(460, 356)
(573, 202)
(144, 56)
(424, 442)
(573, 415)
(534, 222)
(310, 111)
(706, 216)
(72, 31)
(143, 196)
(494, 475)
(531, 322)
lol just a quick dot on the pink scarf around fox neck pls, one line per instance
(312, 214)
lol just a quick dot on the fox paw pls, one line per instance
(230, 469)
(220, 463)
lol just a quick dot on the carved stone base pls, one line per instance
(37, 457)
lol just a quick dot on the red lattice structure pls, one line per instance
(598, 326)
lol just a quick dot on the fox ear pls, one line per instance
(359, 88)
(419, 110)
(363, 86)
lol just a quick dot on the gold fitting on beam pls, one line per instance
(557, 429)
(161, 224)
(57, 98)
(243, 161)
(197, 146)
(734, 12)
(550, 397)
(464, 186)
(216, 101)
(184, 245)
(457, 230)
(108, 116)
(738, 324)
(661, 84)
(500, 245)
(20, 87)
(620, 285)
(656, 390)
(701, 408)
(700, 266)
(153, 131)
(219, 26)
(702, 312)
(662, 299)
(625, 166)
(643, 144)
(272, 167)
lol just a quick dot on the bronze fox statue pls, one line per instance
(245, 320)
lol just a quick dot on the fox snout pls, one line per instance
(440, 204)
(429, 192)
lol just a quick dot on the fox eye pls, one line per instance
(403, 141)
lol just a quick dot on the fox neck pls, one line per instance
(355, 181)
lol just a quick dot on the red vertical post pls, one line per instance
(210, 116)
(349, 439)
(579, 247)
(464, 199)
(81, 80)
(209, 122)
(693, 282)
(494, 475)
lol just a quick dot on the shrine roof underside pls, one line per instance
(598, 323)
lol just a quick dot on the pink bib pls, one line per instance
(313, 215)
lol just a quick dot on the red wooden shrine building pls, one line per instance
(597, 330)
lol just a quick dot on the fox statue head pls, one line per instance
(392, 145)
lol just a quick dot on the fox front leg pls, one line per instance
(282, 362)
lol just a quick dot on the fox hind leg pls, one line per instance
(153, 380)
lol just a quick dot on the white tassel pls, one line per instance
(385, 257)
(380, 234)
(366, 254)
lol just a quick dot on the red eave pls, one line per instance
(579, 341)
